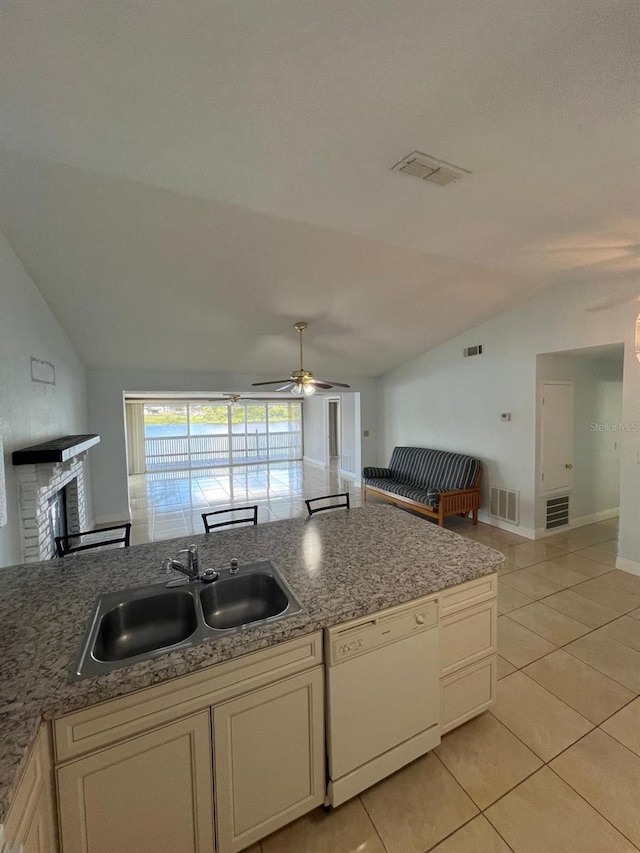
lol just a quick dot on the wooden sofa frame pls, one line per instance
(460, 502)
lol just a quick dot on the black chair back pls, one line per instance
(92, 539)
(337, 501)
(251, 518)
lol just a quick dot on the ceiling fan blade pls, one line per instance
(286, 387)
(338, 384)
(318, 383)
(607, 248)
(271, 382)
(603, 306)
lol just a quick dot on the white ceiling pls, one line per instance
(184, 180)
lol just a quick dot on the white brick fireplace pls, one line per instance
(37, 484)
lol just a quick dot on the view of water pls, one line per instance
(176, 430)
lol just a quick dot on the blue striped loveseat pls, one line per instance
(436, 483)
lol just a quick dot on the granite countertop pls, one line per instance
(341, 564)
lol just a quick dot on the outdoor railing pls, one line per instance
(165, 453)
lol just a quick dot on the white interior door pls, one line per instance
(334, 430)
(556, 437)
(331, 429)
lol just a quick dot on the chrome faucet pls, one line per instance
(192, 567)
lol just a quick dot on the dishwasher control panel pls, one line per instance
(363, 635)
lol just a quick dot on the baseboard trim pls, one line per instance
(518, 529)
(112, 519)
(574, 523)
(313, 461)
(631, 566)
(595, 517)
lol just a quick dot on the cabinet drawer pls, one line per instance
(467, 693)
(468, 636)
(468, 594)
(102, 725)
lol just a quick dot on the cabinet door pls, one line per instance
(268, 758)
(31, 818)
(152, 792)
(41, 836)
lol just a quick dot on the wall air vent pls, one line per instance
(476, 350)
(428, 168)
(557, 512)
(504, 504)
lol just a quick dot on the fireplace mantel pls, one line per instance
(57, 450)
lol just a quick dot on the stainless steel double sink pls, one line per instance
(137, 624)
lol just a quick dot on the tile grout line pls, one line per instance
(604, 817)
(565, 646)
(372, 822)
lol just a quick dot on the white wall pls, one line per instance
(349, 431)
(444, 400)
(106, 417)
(596, 458)
(32, 412)
(313, 417)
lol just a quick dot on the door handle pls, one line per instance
(568, 465)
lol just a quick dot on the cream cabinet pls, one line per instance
(269, 759)
(468, 664)
(31, 819)
(152, 792)
(141, 772)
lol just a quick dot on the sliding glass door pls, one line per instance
(202, 435)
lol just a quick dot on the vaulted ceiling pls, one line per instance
(184, 180)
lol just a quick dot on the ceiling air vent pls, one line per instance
(430, 169)
(469, 351)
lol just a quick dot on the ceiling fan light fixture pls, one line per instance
(303, 382)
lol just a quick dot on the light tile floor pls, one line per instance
(554, 767)
(170, 504)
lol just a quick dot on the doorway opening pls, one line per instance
(333, 417)
(579, 421)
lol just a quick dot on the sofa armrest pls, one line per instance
(456, 496)
(370, 473)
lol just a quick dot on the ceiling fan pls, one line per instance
(612, 303)
(301, 382)
(232, 399)
(616, 255)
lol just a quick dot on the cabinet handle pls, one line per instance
(568, 465)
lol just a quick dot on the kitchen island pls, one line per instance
(342, 565)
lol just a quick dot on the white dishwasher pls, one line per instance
(383, 696)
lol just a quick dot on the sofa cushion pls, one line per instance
(440, 470)
(423, 496)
